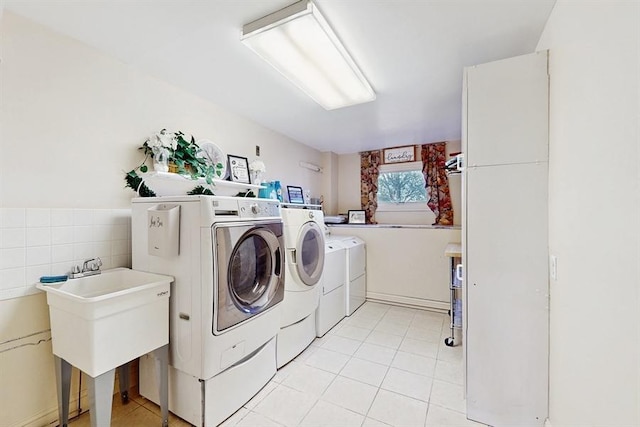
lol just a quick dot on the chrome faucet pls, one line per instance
(90, 267)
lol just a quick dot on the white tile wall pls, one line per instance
(40, 242)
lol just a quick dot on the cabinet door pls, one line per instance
(506, 111)
(507, 286)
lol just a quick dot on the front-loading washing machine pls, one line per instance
(304, 246)
(227, 257)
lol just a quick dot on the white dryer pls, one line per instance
(304, 247)
(356, 285)
(332, 287)
(356, 273)
(225, 301)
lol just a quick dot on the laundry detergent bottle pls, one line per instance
(278, 189)
(268, 192)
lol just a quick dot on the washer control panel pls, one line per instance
(258, 208)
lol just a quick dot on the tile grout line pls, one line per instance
(428, 402)
(426, 416)
(366, 415)
(388, 369)
(389, 366)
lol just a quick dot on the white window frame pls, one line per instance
(402, 207)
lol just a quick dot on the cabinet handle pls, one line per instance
(459, 272)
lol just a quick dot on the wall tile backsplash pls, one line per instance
(41, 242)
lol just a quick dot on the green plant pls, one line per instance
(200, 190)
(184, 153)
(134, 181)
(249, 193)
(190, 162)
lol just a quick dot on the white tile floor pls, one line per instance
(383, 366)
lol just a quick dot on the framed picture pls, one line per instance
(295, 195)
(239, 169)
(356, 217)
(399, 154)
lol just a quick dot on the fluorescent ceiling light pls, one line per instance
(298, 42)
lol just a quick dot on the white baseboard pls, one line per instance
(439, 306)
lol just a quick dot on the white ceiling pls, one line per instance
(412, 52)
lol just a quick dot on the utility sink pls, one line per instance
(103, 321)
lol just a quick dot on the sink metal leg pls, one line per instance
(101, 398)
(123, 380)
(63, 386)
(162, 368)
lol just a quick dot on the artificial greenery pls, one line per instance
(200, 190)
(249, 193)
(188, 160)
(184, 154)
(134, 181)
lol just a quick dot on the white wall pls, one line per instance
(349, 192)
(349, 175)
(406, 265)
(71, 122)
(594, 212)
(74, 118)
(330, 183)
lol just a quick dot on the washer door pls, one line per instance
(249, 277)
(309, 254)
(252, 268)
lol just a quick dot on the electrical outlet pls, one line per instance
(553, 267)
(258, 150)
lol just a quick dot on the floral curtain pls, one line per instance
(434, 159)
(369, 163)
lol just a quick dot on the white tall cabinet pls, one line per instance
(505, 241)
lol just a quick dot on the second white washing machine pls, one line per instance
(305, 252)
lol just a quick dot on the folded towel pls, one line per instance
(53, 279)
(339, 219)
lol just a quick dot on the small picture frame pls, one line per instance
(239, 169)
(295, 194)
(356, 217)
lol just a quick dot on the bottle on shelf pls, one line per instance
(278, 190)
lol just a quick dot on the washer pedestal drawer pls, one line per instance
(293, 339)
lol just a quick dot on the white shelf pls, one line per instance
(301, 206)
(173, 184)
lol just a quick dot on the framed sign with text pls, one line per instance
(399, 154)
(239, 169)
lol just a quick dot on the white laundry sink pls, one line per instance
(103, 321)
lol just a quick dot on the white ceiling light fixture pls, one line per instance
(299, 43)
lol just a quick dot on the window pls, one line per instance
(401, 187)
